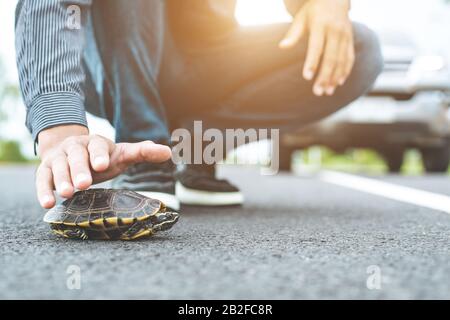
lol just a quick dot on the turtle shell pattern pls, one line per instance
(109, 214)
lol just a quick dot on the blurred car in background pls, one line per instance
(407, 108)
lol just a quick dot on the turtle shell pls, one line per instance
(97, 208)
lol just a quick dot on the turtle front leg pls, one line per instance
(70, 232)
(76, 233)
(137, 230)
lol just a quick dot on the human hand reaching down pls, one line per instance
(73, 159)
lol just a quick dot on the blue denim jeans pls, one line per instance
(147, 81)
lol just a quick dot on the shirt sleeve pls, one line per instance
(49, 46)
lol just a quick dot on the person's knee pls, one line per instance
(368, 58)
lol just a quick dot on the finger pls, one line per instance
(61, 176)
(350, 62)
(316, 44)
(44, 187)
(80, 172)
(295, 32)
(145, 151)
(328, 65)
(99, 151)
(339, 75)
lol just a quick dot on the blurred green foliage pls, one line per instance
(10, 152)
(7, 90)
(358, 160)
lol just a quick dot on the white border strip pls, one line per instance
(388, 190)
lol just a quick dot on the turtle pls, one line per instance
(109, 214)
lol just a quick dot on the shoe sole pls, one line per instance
(206, 198)
(170, 200)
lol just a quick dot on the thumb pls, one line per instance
(295, 32)
(145, 151)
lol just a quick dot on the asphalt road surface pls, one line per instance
(295, 237)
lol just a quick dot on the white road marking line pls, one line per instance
(388, 190)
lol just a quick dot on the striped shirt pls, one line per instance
(49, 46)
(50, 41)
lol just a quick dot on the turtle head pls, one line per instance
(163, 220)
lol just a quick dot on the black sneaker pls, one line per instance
(198, 185)
(151, 180)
